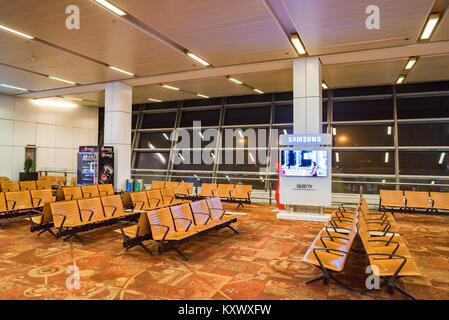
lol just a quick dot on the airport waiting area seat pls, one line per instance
(388, 254)
(155, 184)
(185, 191)
(330, 249)
(10, 186)
(44, 185)
(43, 222)
(90, 191)
(84, 192)
(242, 194)
(226, 191)
(239, 193)
(208, 190)
(106, 190)
(55, 180)
(391, 200)
(417, 200)
(15, 204)
(72, 193)
(413, 201)
(439, 201)
(170, 226)
(72, 217)
(28, 185)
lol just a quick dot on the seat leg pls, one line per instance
(405, 293)
(76, 236)
(341, 283)
(314, 279)
(68, 237)
(240, 205)
(47, 230)
(180, 253)
(236, 232)
(140, 244)
(52, 233)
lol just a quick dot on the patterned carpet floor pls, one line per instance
(263, 262)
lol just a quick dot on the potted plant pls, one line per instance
(28, 175)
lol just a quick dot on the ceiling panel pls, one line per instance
(27, 80)
(363, 74)
(32, 56)
(102, 35)
(430, 69)
(272, 81)
(223, 32)
(213, 87)
(142, 93)
(442, 31)
(90, 99)
(328, 26)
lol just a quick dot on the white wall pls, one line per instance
(56, 131)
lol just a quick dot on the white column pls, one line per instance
(117, 129)
(307, 105)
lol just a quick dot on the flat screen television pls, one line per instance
(304, 163)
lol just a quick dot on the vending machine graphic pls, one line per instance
(95, 165)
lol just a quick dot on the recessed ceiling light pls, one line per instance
(411, 62)
(155, 100)
(294, 38)
(430, 26)
(75, 99)
(337, 157)
(170, 87)
(258, 91)
(195, 57)
(17, 33)
(62, 80)
(111, 7)
(13, 87)
(324, 85)
(122, 71)
(235, 80)
(202, 95)
(400, 79)
(387, 157)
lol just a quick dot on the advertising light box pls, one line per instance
(305, 170)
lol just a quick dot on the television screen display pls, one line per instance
(304, 163)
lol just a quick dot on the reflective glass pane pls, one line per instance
(370, 162)
(207, 117)
(155, 140)
(363, 110)
(424, 107)
(362, 136)
(250, 115)
(159, 120)
(152, 160)
(434, 134)
(432, 163)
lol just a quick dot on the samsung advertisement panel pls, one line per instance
(304, 163)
